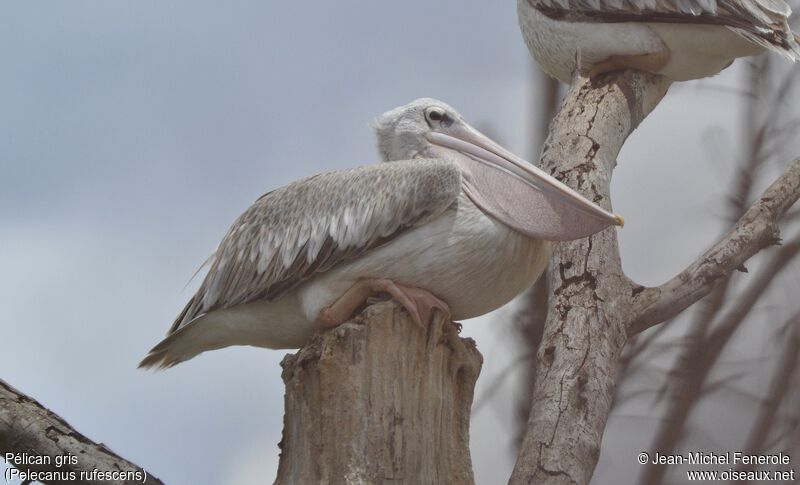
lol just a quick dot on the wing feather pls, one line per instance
(309, 226)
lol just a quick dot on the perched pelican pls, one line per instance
(454, 222)
(679, 39)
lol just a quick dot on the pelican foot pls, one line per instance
(419, 303)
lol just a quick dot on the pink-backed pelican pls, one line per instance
(452, 222)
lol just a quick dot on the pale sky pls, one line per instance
(134, 133)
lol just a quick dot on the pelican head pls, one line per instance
(505, 186)
(402, 132)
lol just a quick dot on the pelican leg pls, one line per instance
(418, 302)
(645, 62)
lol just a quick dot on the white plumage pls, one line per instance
(466, 258)
(679, 39)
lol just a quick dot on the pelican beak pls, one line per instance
(500, 180)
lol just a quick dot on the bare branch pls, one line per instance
(756, 229)
(28, 429)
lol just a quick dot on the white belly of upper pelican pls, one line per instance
(696, 51)
(699, 51)
(464, 257)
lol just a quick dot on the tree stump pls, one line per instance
(379, 400)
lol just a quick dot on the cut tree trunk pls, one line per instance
(380, 400)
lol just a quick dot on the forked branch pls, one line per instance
(755, 230)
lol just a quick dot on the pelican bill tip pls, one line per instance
(619, 220)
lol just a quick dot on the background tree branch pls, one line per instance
(28, 427)
(756, 230)
(704, 351)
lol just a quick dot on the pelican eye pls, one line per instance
(437, 116)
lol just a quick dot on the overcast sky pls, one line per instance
(133, 133)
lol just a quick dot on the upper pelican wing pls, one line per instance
(310, 225)
(764, 22)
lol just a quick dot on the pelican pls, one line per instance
(678, 39)
(453, 223)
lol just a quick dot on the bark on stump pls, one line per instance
(379, 400)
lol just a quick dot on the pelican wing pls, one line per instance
(310, 225)
(764, 22)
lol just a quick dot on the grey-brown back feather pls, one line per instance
(764, 22)
(311, 225)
